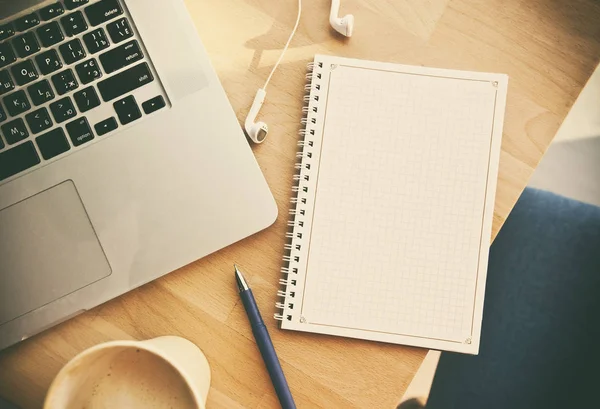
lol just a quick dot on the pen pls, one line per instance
(265, 345)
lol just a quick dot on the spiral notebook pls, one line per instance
(393, 202)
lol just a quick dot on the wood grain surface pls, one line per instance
(549, 48)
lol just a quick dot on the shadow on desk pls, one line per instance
(6, 405)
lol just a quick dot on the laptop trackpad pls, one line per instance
(48, 249)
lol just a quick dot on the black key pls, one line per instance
(15, 131)
(103, 11)
(127, 110)
(40, 92)
(18, 159)
(50, 34)
(1, 143)
(38, 120)
(72, 51)
(86, 99)
(104, 127)
(48, 62)
(125, 81)
(73, 23)
(62, 109)
(16, 103)
(6, 31)
(88, 71)
(25, 45)
(24, 72)
(6, 83)
(79, 131)
(2, 114)
(153, 104)
(71, 4)
(96, 40)
(64, 81)
(7, 55)
(53, 143)
(121, 56)
(119, 30)
(51, 11)
(25, 22)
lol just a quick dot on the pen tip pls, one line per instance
(241, 281)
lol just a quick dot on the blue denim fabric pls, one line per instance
(541, 321)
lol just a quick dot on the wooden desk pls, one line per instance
(548, 48)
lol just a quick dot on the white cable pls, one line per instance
(286, 45)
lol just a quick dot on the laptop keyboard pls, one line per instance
(70, 72)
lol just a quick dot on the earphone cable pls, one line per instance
(286, 45)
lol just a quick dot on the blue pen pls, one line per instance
(265, 345)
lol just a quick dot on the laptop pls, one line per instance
(121, 159)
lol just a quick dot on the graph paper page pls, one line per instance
(400, 227)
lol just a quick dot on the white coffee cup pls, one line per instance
(161, 372)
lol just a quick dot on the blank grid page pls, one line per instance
(397, 224)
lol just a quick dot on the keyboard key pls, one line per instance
(38, 120)
(50, 34)
(1, 143)
(153, 104)
(127, 110)
(72, 51)
(104, 127)
(16, 103)
(79, 131)
(52, 143)
(64, 81)
(71, 4)
(6, 31)
(73, 23)
(18, 159)
(48, 61)
(121, 56)
(86, 99)
(62, 110)
(88, 71)
(25, 45)
(103, 11)
(7, 55)
(25, 22)
(51, 11)
(24, 72)
(119, 30)
(40, 92)
(14, 131)
(125, 81)
(96, 40)
(6, 83)
(2, 114)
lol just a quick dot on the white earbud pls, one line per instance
(256, 131)
(343, 25)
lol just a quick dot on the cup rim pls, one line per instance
(122, 343)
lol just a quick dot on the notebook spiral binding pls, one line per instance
(300, 188)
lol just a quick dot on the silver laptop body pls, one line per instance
(89, 211)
